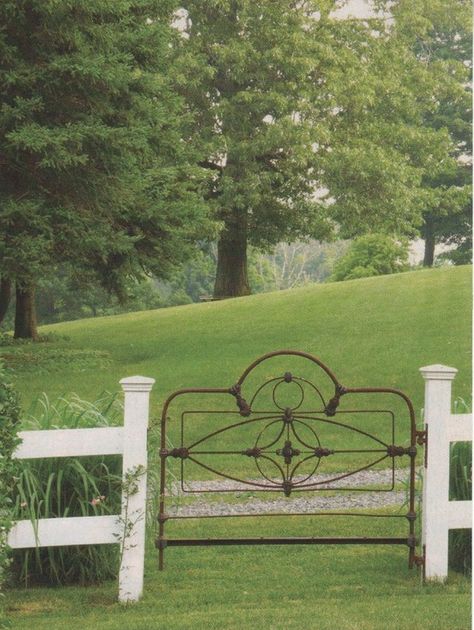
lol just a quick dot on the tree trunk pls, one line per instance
(231, 276)
(25, 314)
(5, 296)
(430, 242)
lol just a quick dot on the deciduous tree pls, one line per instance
(440, 35)
(312, 124)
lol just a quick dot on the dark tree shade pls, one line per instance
(95, 167)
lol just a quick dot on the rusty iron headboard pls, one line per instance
(289, 446)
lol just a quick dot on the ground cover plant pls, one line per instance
(9, 425)
(460, 477)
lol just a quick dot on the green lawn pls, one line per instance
(374, 332)
(320, 587)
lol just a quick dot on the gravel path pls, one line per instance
(295, 504)
(356, 480)
(291, 506)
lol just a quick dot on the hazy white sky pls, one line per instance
(356, 8)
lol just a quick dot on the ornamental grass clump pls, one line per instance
(64, 487)
(460, 489)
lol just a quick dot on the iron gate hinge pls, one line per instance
(419, 560)
(422, 437)
(422, 440)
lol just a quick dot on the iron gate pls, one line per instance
(287, 439)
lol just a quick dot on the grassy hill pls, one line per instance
(370, 332)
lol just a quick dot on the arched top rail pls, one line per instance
(330, 407)
(296, 353)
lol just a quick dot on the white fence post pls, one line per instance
(439, 514)
(136, 405)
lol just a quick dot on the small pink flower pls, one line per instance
(97, 500)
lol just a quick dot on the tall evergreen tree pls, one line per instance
(95, 168)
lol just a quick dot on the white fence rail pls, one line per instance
(127, 528)
(439, 513)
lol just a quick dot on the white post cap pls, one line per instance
(137, 384)
(438, 372)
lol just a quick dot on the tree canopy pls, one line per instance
(313, 125)
(96, 171)
(129, 130)
(372, 255)
(441, 40)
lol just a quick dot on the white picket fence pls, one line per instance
(126, 529)
(439, 513)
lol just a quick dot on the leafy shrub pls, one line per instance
(9, 424)
(7, 339)
(372, 255)
(81, 486)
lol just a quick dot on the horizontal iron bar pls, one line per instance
(195, 542)
(283, 514)
(272, 451)
(296, 488)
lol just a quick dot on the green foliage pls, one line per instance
(462, 252)
(62, 297)
(313, 125)
(372, 255)
(9, 425)
(95, 169)
(60, 487)
(460, 489)
(441, 38)
(358, 100)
